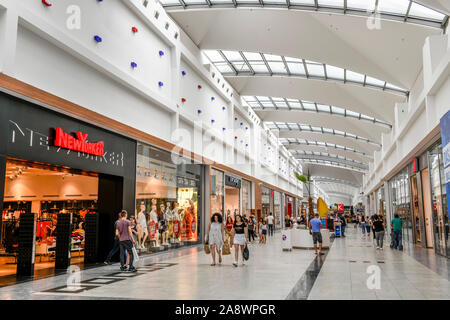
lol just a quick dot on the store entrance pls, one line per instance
(47, 191)
(232, 202)
(427, 207)
(416, 209)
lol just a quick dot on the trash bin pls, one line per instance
(286, 240)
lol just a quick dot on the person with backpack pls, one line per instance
(397, 232)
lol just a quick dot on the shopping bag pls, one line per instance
(135, 254)
(206, 248)
(226, 249)
(246, 253)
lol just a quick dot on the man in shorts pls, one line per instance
(314, 229)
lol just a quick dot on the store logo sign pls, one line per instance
(67, 141)
(340, 207)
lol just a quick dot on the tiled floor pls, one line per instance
(403, 275)
(270, 274)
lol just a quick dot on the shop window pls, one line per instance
(167, 201)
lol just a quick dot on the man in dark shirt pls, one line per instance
(123, 232)
(116, 245)
(343, 225)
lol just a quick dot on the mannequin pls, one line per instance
(163, 224)
(154, 219)
(142, 226)
(176, 223)
(169, 223)
(188, 220)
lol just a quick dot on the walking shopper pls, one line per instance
(123, 231)
(343, 225)
(270, 224)
(362, 223)
(215, 237)
(397, 230)
(240, 239)
(116, 245)
(229, 230)
(251, 229)
(378, 226)
(263, 231)
(314, 229)
(368, 226)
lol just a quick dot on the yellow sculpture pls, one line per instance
(322, 208)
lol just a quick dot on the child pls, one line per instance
(263, 231)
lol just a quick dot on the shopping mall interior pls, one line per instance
(137, 135)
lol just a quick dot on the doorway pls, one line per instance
(416, 209)
(232, 201)
(47, 191)
(426, 191)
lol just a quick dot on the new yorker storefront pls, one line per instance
(63, 182)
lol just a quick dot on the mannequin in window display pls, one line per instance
(188, 228)
(169, 218)
(164, 226)
(142, 226)
(154, 236)
(176, 222)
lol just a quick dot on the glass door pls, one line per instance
(415, 209)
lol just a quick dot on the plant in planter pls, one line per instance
(306, 180)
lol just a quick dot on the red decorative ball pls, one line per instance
(199, 86)
(134, 29)
(183, 100)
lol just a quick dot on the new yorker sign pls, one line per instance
(30, 132)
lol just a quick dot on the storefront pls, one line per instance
(439, 209)
(246, 192)
(266, 201)
(277, 210)
(65, 181)
(289, 207)
(168, 210)
(400, 197)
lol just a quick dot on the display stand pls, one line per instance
(26, 250)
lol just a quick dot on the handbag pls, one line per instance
(206, 248)
(135, 254)
(246, 253)
(226, 249)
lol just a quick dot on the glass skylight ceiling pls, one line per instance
(287, 141)
(334, 180)
(267, 103)
(398, 10)
(287, 126)
(324, 156)
(330, 163)
(241, 63)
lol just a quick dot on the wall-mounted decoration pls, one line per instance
(134, 64)
(98, 39)
(161, 53)
(46, 3)
(183, 100)
(199, 86)
(183, 73)
(160, 83)
(134, 29)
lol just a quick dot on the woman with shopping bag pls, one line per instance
(240, 239)
(215, 236)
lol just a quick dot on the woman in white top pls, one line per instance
(215, 237)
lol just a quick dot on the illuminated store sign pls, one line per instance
(67, 141)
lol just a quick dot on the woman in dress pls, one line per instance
(240, 238)
(215, 236)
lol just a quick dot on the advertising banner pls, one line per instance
(445, 135)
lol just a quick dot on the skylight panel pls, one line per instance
(214, 56)
(247, 1)
(259, 67)
(221, 1)
(252, 56)
(195, 1)
(364, 117)
(296, 68)
(331, 3)
(249, 98)
(223, 68)
(295, 105)
(241, 66)
(315, 70)
(374, 82)
(233, 56)
(303, 2)
(277, 67)
(335, 72)
(316, 129)
(366, 5)
(354, 76)
(309, 106)
(418, 10)
(352, 114)
(170, 2)
(267, 104)
(327, 130)
(275, 1)
(272, 57)
(281, 104)
(391, 86)
(398, 7)
(305, 127)
(337, 110)
(282, 126)
(323, 108)
(292, 126)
